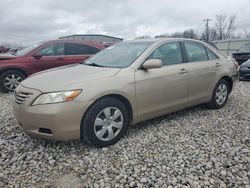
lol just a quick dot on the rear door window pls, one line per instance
(80, 49)
(52, 50)
(211, 55)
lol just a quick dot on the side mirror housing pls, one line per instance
(152, 64)
(37, 56)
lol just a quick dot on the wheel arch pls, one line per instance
(13, 68)
(121, 98)
(229, 80)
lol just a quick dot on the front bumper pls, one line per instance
(244, 74)
(60, 121)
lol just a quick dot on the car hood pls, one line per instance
(246, 64)
(67, 77)
(241, 53)
(7, 56)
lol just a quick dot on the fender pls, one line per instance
(9, 67)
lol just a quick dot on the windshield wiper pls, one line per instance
(94, 64)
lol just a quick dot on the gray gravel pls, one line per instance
(196, 147)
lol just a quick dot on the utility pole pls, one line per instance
(207, 27)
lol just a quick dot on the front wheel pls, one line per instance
(220, 95)
(105, 122)
(10, 79)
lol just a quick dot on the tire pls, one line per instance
(96, 127)
(10, 86)
(217, 102)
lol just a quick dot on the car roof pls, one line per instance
(91, 43)
(159, 40)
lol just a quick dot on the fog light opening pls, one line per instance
(45, 131)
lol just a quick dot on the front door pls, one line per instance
(165, 89)
(50, 56)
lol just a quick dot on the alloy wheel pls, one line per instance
(11, 81)
(221, 94)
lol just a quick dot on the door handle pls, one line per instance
(60, 58)
(183, 71)
(217, 64)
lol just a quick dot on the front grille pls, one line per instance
(21, 97)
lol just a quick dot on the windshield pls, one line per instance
(28, 49)
(245, 49)
(120, 55)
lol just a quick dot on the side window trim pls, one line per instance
(184, 52)
(197, 43)
(164, 43)
(46, 45)
(207, 49)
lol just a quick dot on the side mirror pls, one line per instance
(152, 64)
(37, 56)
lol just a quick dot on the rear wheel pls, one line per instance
(105, 122)
(220, 95)
(10, 79)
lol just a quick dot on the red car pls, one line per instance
(41, 56)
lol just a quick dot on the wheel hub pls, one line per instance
(11, 81)
(221, 94)
(108, 123)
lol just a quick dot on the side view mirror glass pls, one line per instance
(152, 64)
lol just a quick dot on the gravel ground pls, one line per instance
(196, 147)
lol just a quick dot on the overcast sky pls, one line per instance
(23, 21)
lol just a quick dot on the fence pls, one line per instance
(230, 46)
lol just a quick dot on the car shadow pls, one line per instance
(82, 145)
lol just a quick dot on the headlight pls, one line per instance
(56, 97)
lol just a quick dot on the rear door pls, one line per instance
(79, 52)
(50, 56)
(203, 66)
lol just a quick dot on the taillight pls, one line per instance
(236, 64)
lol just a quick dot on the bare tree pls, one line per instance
(143, 37)
(247, 34)
(176, 35)
(224, 26)
(212, 34)
(189, 33)
(162, 36)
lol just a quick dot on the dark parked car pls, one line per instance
(243, 54)
(41, 56)
(244, 71)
